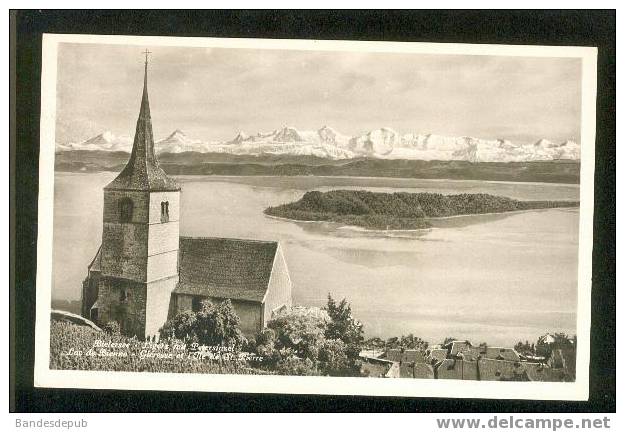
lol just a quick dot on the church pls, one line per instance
(145, 273)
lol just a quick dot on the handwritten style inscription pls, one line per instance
(164, 350)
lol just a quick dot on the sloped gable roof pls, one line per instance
(416, 370)
(500, 370)
(436, 355)
(97, 261)
(459, 346)
(508, 354)
(225, 268)
(407, 355)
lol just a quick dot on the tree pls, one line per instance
(266, 347)
(448, 340)
(524, 348)
(343, 326)
(411, 341)
(213, 325)
(299, 331)
(333, 359)
(291, 364)
(305, 341)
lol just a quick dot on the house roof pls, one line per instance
(406, 355)
(416, 370)
(471, 352)
(376, 367)
(436, 354)
(500, 370)
(457, 369)
(142, 172)
(225, 268)
(508, 354)
(539, 372)
(458, 346)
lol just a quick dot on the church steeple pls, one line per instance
(142, 171)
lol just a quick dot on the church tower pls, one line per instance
(140, 237)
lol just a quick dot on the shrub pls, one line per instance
(299, 332)
(213, 325)
(112, 328)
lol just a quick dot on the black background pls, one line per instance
(581, 28)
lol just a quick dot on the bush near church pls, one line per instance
(213, 325)
(311, 341)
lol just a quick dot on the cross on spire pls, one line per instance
(146, 52)
(142, 171)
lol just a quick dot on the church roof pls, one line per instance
(96, 264)
(225, 268)
(142, 171)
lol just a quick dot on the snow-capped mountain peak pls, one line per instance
(241, 137)
(544, 143)
(105, 137)
(178, 142)
(326, 142)
(177, 135)
(288, 134)
(106, 141)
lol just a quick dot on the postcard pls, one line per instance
(315, 217)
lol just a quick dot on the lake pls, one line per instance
(490, 278)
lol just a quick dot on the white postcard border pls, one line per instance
(45, 377)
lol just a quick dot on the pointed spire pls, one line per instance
(142, 171)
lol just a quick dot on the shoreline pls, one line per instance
(212, 176)
(499, 213)
(376, 178)
(363, 229)
(348, 227)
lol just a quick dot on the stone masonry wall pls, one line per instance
(124, 245)
(127, 309)
(124, 250)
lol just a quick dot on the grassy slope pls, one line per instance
(66, 336)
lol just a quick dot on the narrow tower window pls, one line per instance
(165, 211)
(125, 210)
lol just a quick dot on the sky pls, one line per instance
(212, 93)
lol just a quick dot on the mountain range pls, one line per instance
(327, 143)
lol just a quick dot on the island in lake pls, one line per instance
(399, 210)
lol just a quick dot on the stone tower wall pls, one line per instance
(125, 245)
(139, 257)
(128, 310)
